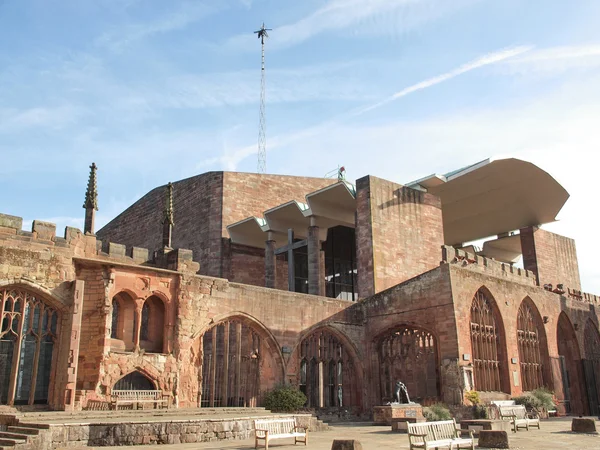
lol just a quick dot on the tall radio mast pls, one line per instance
(262, 137)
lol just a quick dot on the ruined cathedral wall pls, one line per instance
(40, 263)
(104, 360)
(281, 318)
(197, 205)
(508, 292)
(425, 303)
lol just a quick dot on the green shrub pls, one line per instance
(437, 411)
(284, 399)
(480, 412)
(528, 400)
(545, 397)
(540, 399)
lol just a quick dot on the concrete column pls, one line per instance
(314, 259)
(270, 261)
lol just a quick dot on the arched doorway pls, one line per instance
(570, 364)
(327, 371)
(135, 381)
(490, 371)
(409, 354)
(28, 337)
(533, 350)
(591, 366)
(236, 361)
(152, 326)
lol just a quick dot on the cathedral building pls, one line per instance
(219, 287)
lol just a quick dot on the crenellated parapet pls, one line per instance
(470, 261)
(79, 245)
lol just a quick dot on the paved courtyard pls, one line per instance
(554, 434)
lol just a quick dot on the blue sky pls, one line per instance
(154, 91)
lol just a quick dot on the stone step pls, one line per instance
(39, 426)
(5, 442)
(24, 430)
(9, 435)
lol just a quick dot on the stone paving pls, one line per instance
(554, 434)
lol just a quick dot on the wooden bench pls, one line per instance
(442, 434)
(519, 417)
(129, 397)
(269, 429)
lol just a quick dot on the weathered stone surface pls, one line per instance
(44, 230)
(583, 425)
(493, 439)
(346, 444)
(11, 221)
(384, 415)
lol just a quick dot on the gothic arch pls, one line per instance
(488, 344)
(153, 324)
(124, 320)
(329, 371)
(39, 290)
(410, 354)
(591, 365)
(570, 357)
(30, 329)
(143, 373)
(240, 359)
(533, 347)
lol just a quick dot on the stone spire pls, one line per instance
(91, 201)
(168, 222)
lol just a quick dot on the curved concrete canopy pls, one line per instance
(494, 197)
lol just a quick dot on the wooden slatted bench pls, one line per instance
(268, 429)
(519, 417)
(442, 434)
(129, 397)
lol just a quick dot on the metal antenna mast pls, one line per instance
(262, 137)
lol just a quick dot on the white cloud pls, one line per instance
(554, 60)
(357, 17)
(485, 60)
(188, 13)
(55, 118)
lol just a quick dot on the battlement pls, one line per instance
(583, 296)
(86, 245)
(451, 255)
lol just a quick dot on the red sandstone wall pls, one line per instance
(406, 229)
(250, 194)
(551, 256)
(424, 302)
(204, 205)
(508, 297)
(197, 203)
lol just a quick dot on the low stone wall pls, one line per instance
(154, 432)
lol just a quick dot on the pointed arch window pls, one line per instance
(28, 336)
(409, 355)
(530, 356)
(486, 344)
(231, 359)
(327, 372)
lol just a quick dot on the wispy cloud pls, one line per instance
(554, 59)
(232, 158)
(357, 17)
(55, 118)
(485, 60)
(190, 12)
